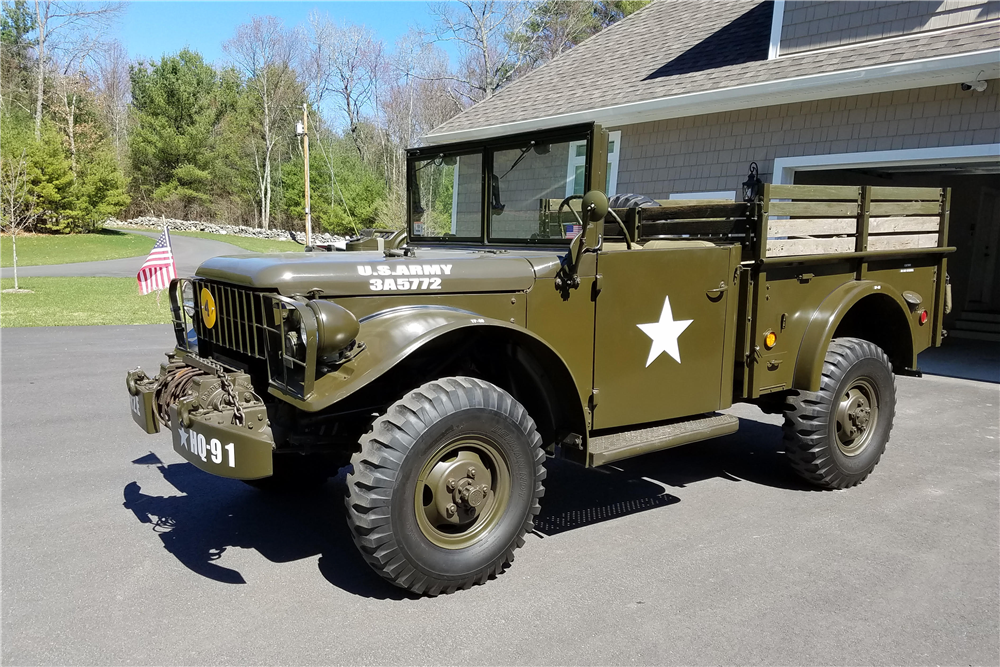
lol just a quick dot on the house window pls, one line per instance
(576, 176)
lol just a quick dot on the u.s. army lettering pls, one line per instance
(405, 270)
(401, 284)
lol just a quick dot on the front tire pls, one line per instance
(446, 485)
(835, 437)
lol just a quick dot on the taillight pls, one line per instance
(923, 317)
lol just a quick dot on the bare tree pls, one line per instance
(491, 53)
(420, 98)
(264, 51)
(69, 85)
(558, 25)
(344, 62)
(66, 26)
(423, 78)
(16, 213)
(416, 96)
(114, 90)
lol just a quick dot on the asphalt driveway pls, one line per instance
(116, 551)
(189, 253)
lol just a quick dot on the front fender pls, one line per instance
(392, 335)
(824, 322)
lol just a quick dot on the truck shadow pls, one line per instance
(576, 497)
(212, 515)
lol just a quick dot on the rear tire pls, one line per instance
(631, 201)
(446, 485)
(836, 436)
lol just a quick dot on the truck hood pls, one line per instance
(361, 273)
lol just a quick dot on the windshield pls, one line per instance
(497, 192)
(529, 182)
(446, 196)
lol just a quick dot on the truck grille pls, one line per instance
(239, 318)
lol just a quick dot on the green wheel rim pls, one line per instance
(856, 417)
(462, 492)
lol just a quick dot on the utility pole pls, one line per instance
(303, 131)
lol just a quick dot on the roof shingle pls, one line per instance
(673, 48)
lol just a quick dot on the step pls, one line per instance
(617, 446)
(970, 325)
(974, 335)
(981, 317)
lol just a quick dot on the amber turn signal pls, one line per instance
(923, 317)
(770, 339)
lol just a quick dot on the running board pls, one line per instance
(608, 448)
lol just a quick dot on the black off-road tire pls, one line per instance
(631, 201)
(811, 418)
(407, 439)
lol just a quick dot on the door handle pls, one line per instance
(717, 291)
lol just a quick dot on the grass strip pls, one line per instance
(39, 249)
(80, 301)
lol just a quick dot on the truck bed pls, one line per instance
(818, 261)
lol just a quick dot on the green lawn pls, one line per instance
(40, 249)
(80, 301)
(247, 242)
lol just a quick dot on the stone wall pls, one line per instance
(151, 222)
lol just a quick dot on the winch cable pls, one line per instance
(173, 386)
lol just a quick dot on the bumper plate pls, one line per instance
(141, 407)
(225, 449)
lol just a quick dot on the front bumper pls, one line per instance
(203, 423)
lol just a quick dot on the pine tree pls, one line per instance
(51, 184)
(177, 106)
(101, 189)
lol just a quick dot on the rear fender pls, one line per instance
(827, 318)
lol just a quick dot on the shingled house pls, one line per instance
(862, 93)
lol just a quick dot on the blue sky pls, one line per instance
(151, 29)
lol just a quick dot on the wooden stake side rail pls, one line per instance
(817, 220)
(795, 220)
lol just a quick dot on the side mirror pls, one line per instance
(593, 209)
(595, 205)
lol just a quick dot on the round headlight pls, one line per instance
(295, 335)
(337, 327)
(294, 346)
(187, 298)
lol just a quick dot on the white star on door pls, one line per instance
(664, 334)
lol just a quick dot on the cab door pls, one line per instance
(661, 332)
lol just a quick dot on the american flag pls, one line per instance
(158, 270)
(573, 230)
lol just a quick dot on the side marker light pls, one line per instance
(923, 317)
(770, 339)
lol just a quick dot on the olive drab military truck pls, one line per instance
(521, 316)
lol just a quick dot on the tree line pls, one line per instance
(87, 134)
